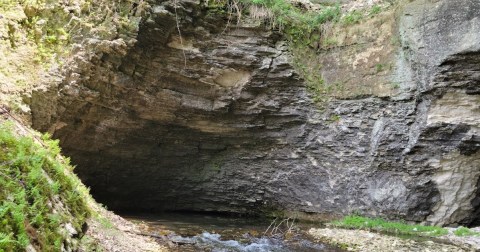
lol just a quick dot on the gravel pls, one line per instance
(361, 240)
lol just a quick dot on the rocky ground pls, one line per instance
(361, 240)
(472, 241)
(115, 234)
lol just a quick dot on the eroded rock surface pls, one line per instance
(220, 121)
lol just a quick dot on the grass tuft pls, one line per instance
(380, 225)
(463, 231)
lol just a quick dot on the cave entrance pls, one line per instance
(165, 168)
(149, 132)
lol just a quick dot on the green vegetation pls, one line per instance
(302, 29)
(353, 17)
(399, 228)
(87, 243)
(106, 223)
(39, 193)
(297, 24)
(307, 30)
(39, 34)
(380, 225)
(379, 67)
(53, 25)
(316, 88)
(327, 42)
(463, 231)
(374, 10)
(334, 118)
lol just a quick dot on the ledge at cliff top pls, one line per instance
(218, 119)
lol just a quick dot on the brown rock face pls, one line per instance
(218, 120)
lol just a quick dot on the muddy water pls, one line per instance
(216, 233)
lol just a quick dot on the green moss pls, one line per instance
(33, 177)
(400, 228)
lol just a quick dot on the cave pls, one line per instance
(284, 125)
(217, 119)
(154, 129)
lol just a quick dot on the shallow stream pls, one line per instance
(217, 233)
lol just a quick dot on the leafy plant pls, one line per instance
(6, 240)
(32, 176)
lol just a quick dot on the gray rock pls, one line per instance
(220, 121)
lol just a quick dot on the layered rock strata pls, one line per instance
(217, 119)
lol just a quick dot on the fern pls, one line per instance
(6, 241)
(31, 176)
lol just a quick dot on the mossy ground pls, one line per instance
(40, 195)
(44, 206)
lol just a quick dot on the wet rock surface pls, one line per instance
(218, 120)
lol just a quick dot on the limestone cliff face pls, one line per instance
(218, 119)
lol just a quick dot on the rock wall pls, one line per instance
(217, 119)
